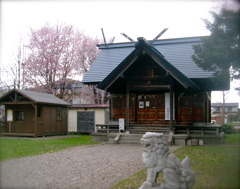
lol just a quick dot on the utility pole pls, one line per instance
(20, 62)
(223, 108)
(224, 94)
(18, 66)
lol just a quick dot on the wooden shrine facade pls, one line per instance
(147, 89)
(154, 109)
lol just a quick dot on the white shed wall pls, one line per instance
(99, 113)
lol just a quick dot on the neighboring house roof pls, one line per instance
(76, 85)
(177, 52)
(36, 97)
(89, 106)
(226, 104)
(144, 47)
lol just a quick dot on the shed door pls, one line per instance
(85, 122)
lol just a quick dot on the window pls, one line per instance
(217, 109)
(59, 114)
(229, 109)
(39, 112)
(19, 116)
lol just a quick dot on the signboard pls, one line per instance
(121, 123)
(147, 103)
(9, 115)
(141, 104)
(167, 107)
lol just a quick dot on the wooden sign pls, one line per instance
(167, 106)
(121, 124)
(9, 115)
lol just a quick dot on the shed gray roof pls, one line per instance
(36, 97)
(89, 106)
(233, 104)
(176, 51)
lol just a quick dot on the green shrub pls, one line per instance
(234, 118)
(228, 129)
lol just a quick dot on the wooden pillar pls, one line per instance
(205, 107)
(171, 104)
(136, 108)
(208, 107)
(35, 118)
(111, 110)
(127, 107)
(15, 97)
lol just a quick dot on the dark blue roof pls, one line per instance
(177, 52)
(144, 47)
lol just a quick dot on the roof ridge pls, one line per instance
(132, 44)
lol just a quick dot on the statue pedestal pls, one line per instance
(156, 186)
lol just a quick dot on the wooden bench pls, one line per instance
(107, 128)
(198, 129)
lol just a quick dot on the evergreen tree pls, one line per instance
(220, 52)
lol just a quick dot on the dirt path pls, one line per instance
(84, 167)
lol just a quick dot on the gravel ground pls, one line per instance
(84, 167)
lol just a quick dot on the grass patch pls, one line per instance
(232, 139)
(215, 167)
(17, 148)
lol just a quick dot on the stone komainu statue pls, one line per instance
(158, 159)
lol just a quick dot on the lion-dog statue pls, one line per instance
(158, 159)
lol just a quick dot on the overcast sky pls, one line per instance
(145, 18)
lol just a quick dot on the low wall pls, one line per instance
(200, 139)
(178, 139)
(99, 137)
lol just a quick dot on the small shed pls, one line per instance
(30, 113)
(83, 118)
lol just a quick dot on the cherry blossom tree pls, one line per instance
(93, 95)
(56, 56)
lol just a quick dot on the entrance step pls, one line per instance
(144, 129)
(130, 139)
(133, 138)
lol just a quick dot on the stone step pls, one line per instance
(133, 138)
(129, 142)
(144, 129)
(129, 139)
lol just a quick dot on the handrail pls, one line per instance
(117, 138)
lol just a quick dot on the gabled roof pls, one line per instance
(177, 52)
(143, 47)
(36, 97)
